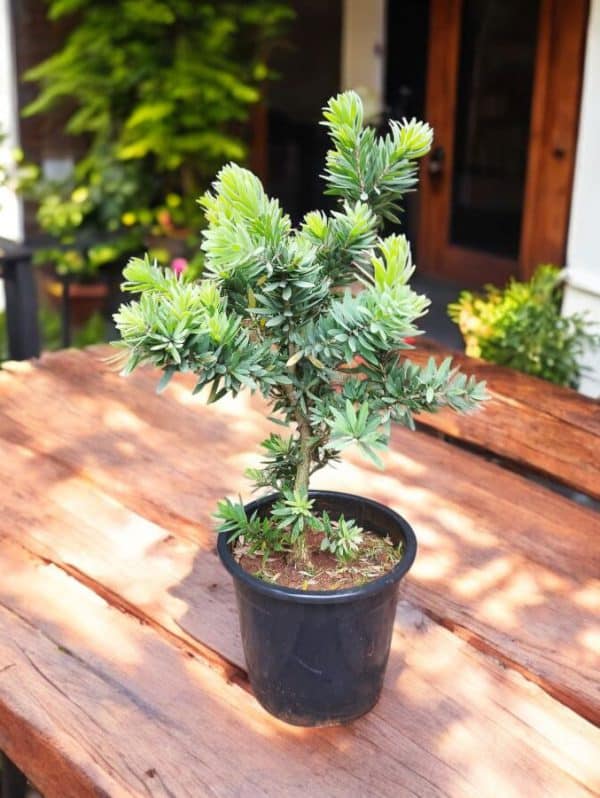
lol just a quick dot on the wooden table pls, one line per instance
(121, 669)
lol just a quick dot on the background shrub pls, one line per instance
(521, 326)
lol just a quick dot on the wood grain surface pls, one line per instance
(530, 421)
(121, 670)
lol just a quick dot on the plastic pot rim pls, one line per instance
(325, 596)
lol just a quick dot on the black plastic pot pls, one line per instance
(318, 658)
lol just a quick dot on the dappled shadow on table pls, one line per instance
(117, 486)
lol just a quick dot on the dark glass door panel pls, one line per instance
(407, 35)
(308, 65)
(491, 141)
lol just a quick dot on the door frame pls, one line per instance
(554, 119)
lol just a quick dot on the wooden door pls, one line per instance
(503, 87)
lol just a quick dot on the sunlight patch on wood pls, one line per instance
(126, 448)
(590, 638)
(53, 596)
(553, 725)
(468, 530)
(505, 606)
(18, 366)
(435, 566)
(117, 418)
(230, 698)
(588, 596)
(405, 463)
(130, 534)
(482, 578)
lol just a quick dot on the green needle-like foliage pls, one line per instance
(315, 318)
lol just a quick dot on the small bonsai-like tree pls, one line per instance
(280, 311)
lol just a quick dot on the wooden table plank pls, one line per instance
(51, 412)
(506, 563)
(76, 676)
(129, 715)
(58, 396)
(529, 421)
(565, 404)
(94, 536)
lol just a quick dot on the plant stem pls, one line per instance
(300, 553)
(303, 470)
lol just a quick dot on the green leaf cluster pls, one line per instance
(290, 517)
(521, 326)
(341, 538)
(365, 167)
(315, 318)
(261, 535)
(160, 92)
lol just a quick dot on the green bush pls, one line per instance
(93, 331)
(521, 326)
(161, 93)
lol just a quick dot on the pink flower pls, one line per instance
(179, 265)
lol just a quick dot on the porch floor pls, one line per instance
(437, 323)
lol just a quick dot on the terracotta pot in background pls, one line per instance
(85, 299)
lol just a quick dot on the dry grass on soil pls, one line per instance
(376, 556)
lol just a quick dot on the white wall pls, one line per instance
(583, 248)
(363, 51)
(11, 212)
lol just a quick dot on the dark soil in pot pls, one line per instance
(375, 557)
(318, 658)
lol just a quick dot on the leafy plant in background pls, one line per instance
(161, 92)
(83, 219)
(521, 326)
(93, 331)
(276, 313)
(4, 170)
(14, 174)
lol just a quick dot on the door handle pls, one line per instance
(436, 161)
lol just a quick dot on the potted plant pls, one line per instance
(521, 326)
(316, 319)
(82, 216)
(157, 109)
(79, 218)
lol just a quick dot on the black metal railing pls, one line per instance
(24, 336)
(20, 291)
